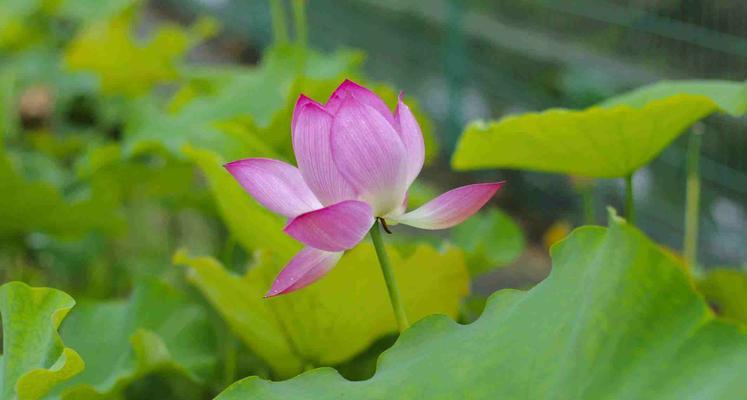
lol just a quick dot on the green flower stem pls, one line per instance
(391, 283)
(629, 200)
(692, 201)
(279, 28)
(299, 18)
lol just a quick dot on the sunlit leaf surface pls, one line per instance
(616, 319)
(34, 358)
(610, 140)
(129, 67)
(337, 317)
(726, 292)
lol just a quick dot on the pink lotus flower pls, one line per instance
(356, 161)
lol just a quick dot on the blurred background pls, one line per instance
(461, 61)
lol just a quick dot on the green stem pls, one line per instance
(587, 197)
(279, 28)
(299, 19)
(391, 283)
(692, 202)
(229, 366)
(629, 200)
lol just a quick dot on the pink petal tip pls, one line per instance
(276, 185)
(306, 267)
(451, 208)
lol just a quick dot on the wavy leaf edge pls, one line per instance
(462, 160)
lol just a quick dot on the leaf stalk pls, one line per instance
(299, 19)
(279, 27)
(629, 199)
(692, 199)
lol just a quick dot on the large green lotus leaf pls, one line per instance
(253, 226)
(156, 329)
(335, 318)
(491, 240)
(34, 357)
(596, 142)
(258, 95)
(616, 319)
(610, 140)
(726, 292)
(28, 206)
(729, 96)
(109, 49)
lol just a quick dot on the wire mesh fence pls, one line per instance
(484, 59)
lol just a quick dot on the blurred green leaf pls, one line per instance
(34, 358)
(218, 108)
(26, 22)
(91, 10)
(473, 307)
(157, 329)
(151, 176)
(259, 97)
(16, 29)
(730, 97)
(491, 239)
(611, 140)
(28, 206)
(726, 292)
(109, 49)
(617, 318)
(335, 318)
